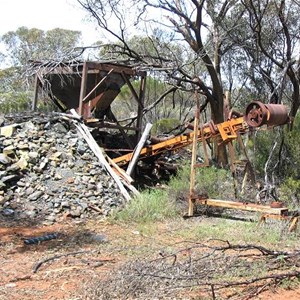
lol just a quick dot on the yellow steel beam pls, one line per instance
(236, 125)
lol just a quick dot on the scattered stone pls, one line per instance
(60, 128)
(23, 146)
(65, 204)
(55, 156)
(36, 195)
(9, 150)
(99, 238)
(7, 142)
(10, 178)
(8, 212)
(76, 212)
(4, 159)
(33, 154)
(11, 285)
(7, 130)
(21, 163)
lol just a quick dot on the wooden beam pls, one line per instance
(293, 220)
(137, 150)
(233, 167)
(122, 130)
(103, 124)
(67, 72)
(97, 151)
(36, 91)
(243, 206)
(118, 68)
(194, 157)
(83, 87)
(227, 104)
(133, 92)
(141, 99)
(249, 166)
(94, 67)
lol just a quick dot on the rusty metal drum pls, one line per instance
(259, 114)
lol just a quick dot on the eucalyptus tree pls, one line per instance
(272, 45)
(26, 44)
(267, 42)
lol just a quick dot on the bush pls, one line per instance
(285, 161)
(292, 144)
(158, 205)
(164, 126)
(151, 205)
(213, 181)
(289, 192)
(15, 102)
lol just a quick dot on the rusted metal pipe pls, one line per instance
(278, 114)
(259, 114)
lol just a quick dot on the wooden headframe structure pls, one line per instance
(90, 88)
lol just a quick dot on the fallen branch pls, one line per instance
(95, 208)
(26, 277)
(40, 263)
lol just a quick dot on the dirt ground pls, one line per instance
(62, 267)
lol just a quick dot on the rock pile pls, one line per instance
(48, 172)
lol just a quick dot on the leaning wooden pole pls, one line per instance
(138, 149)
(83, 87)
(36, 92)
(194, 157)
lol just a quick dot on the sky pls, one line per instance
(46, 15)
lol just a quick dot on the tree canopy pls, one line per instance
(26, 44)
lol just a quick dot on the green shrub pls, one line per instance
(216, 182)
(261, 145)
(213, 181)
(15, 102)
(289, 192)
(291, 166)
(285, 161)
(157, 205)
(151, 205)
(164, 126)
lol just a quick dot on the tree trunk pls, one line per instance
(295, 96)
